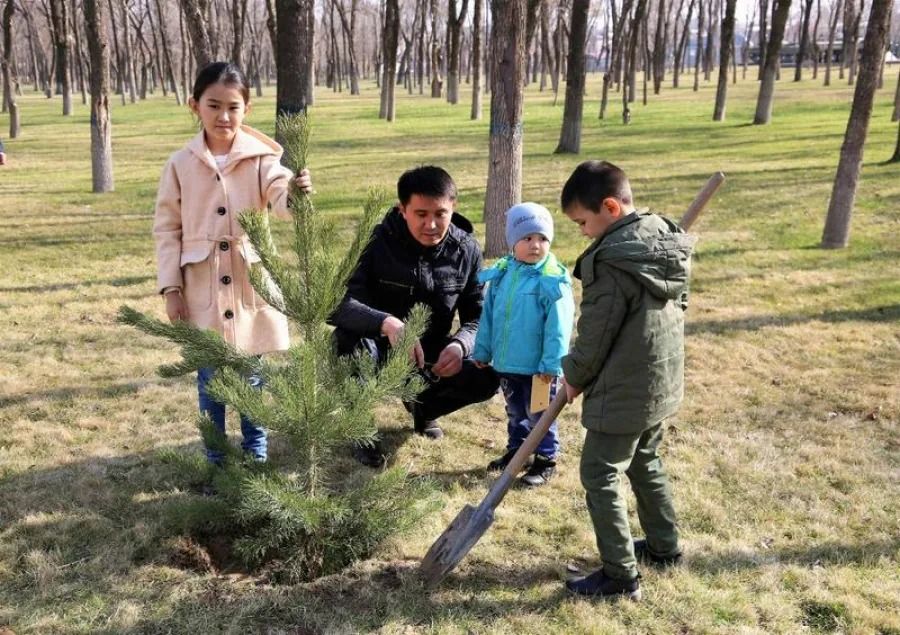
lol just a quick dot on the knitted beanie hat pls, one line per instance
(527, 218)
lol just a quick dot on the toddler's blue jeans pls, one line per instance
(517, 392)
(254, 442)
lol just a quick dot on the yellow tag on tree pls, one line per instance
(540, 393)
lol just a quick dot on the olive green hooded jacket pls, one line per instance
(629, 354)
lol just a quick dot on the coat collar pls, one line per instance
(248, 143)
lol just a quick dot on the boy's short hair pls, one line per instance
(425, 180)
(593, 181)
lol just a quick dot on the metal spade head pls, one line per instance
(452, 545)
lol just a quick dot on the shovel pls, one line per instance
(470, 524)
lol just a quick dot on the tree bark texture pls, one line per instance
(570, 134)
(504, 182)
(9, 71)
(196, 14)
(390, 36)
(167, 53)
(843, 194)
(296, 32)
(725, 50)
(59, 15)
(101, 126)
(804, 39)
(477, 54)
(832, 29)
(454, 29)
(773, 54)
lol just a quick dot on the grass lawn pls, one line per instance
(785, 456)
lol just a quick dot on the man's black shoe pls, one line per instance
(597, 584)
(369, 455)
(539, 472)
(643, 554)
(501, 462)
(428, 428)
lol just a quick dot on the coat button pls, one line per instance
(229, 314)
(218, 178)
(226, 279)
(223, 245)
(221, 211)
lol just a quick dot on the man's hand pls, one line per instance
(571, 391)
(449, 362)
(392, 328)
(176, 308)
(304, 181)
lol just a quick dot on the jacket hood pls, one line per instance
(651, 248)
(248, 143)
(549, 267)
(460, 229)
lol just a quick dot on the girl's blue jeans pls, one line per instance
(517, 392)
(254, 442)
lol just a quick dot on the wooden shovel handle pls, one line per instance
(504, 482)
(701, 200)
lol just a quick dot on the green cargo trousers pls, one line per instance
(603, 459)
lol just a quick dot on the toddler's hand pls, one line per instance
(303, 181)
(480, 364)
(2, 158)
(546, 377)
(176, 308)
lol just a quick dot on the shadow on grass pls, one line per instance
(889, 313)
(67, 393)
(125, 281)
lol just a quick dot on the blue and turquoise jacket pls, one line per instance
(527, 319)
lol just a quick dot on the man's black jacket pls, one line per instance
(396, 272)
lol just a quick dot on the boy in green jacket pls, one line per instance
(628, 360)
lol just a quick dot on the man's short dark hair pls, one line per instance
(426, 180)
(593, 181)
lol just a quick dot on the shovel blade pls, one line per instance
(452, 545)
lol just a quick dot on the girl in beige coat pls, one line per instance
(203, 254)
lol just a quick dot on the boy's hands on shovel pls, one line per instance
(571, 391)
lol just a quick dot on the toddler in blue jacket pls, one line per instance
(525, 327)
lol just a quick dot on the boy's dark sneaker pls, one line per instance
(369, 455)
(539, 472)
(643, 554)
(597, 584)
(499, 464)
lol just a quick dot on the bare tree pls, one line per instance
(763, 33)
(349, 26)
(476, 59)
(437, 82)
(854, 42)
(832, 29)
(724, 52)
(167, 52)
(814, 41)
(570, 134)
(9, 71)
(678, 63)
(806, 11)
(196, 14)
(699, 47)
(238, 21)
(60, 17)
(773, 55)
(504, 182)
(745, 47)
(389, 41)
(454, 29)
(843, 194)
(101, 128)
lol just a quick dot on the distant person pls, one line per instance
(423, 251)
(524, 331)
(2, 154)
(203, 253)
(628, 359)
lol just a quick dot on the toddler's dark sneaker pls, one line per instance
(539, 472)
(599, 585)
(428, 428)
(643, 554)
(499, 464)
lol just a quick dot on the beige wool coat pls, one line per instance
(200, 246)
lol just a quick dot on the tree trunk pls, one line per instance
(9, 71)
(390, 35)
(167, 52)
(436, 80)
(349, 27)
(843, 194)
(763, 32)
(59, 15)
(454, 29)
(294, 66)
(806, 10)
(476, 60)
(660, 44)
(895, 115)
(816, 51)
(238, 21)
(773, 55)
(711, 37)
(196, 14)
(80, 65)
(504, 182)
(101, 127)
(854, 46)
(699, 45)
(724, 52)
(832, 29)
(896, 157)
(570, 134)
(127, 54)
(272, 27)
(421, 8)
(682, 45)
